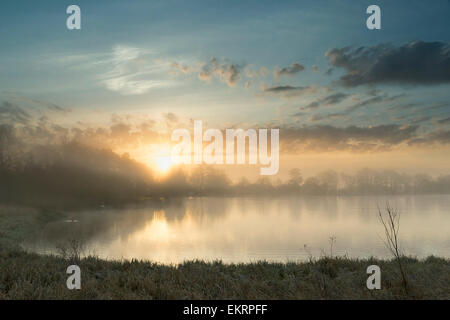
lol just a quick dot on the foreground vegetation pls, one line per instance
(27, 275)
(30, 276)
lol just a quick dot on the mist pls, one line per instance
(71, 173)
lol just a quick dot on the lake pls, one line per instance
(249, 229)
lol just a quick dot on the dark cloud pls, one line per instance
(417, 107)
(438, 105)
(366, 102)
(419, 62)
(293, 69)
(439, 137)
(289, 91)
(329, 72)
(312, 105)
(328, 116)
(442, 137)
(334, 98)
(444, 121)
(328, 100)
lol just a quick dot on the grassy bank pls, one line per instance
(30, 276)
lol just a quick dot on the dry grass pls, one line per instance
(30, 276)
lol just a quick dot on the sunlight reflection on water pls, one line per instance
(251, 229)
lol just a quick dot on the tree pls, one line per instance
(295, 177)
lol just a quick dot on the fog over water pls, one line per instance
(244, 229)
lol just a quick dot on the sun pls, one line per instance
(160, 158)
(163, 163)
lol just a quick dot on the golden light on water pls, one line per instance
(245, 230)
(155, 230)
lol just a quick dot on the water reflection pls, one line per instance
(249, 229)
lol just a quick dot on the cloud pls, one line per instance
(132, 73)
(420, 119)
(312, 105)
(369, 101)
(292, 70)
(124, 69)
(130, 133)
(352, 138)
(331, 99)
(438, 137)
(170, 118)
(438, 105)
(222, 69)
(329, 72)
(127, 86)
(348, 110)
(444, 121)
(227, 72)
(31, 103)
(11, 113)
(417, 63)
(406, 106)
(329, 116)
(289, 91)
(334, 98)
(442, 137)
(181, 67)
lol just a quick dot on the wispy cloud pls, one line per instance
(11, 113)
(125, 69)
(348, 110)
(132, 72)
(20, 98)
(331, 99)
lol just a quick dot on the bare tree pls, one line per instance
(390, 219)
(332, 241)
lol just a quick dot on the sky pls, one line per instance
(343, 96)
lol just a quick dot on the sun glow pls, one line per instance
(160, 158)
(163, 163)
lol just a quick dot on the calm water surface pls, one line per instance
(250, 229)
